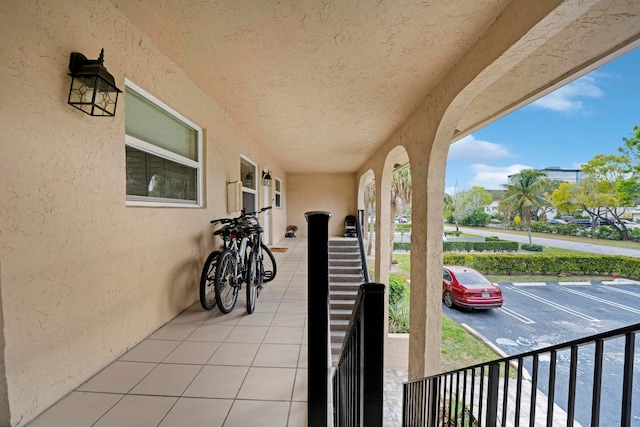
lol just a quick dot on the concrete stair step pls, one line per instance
(349, 241)
(342, 304)
(340, 249)
(345, 262)
(344, 286)
(344, 295)
(345, 270)
(339, 314)
(338, 336)
(339, 324)
(351, 256)
(346, 278)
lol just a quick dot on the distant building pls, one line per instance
(555, 172)
(566, 175)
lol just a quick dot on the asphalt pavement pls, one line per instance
(593, 248)
(539, 315)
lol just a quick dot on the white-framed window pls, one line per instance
(249, 177)
(163, 153)
(278, 193)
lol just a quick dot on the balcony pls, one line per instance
(206, 368)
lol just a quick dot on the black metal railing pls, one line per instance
(363, 254)
(358, 379)
(589, 381)
(318, 318)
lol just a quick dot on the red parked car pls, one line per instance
(465, 287)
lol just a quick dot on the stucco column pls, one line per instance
(383, 230)
(426, 270)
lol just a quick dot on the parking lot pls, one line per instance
(537, 315)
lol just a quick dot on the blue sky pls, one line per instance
(565, 128)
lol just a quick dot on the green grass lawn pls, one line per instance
(461, 349)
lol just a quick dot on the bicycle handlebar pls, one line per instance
(242, 216)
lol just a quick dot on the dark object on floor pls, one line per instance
(350, 226)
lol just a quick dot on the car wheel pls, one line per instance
(448, 299)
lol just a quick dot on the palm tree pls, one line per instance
(524, 193)
(400, 195)
(369, 203)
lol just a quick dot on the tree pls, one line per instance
(466, 202)
(631, 150)
(606, 189)
(400, 195)
(525, 194)
(548, 186)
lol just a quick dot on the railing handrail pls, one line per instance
(358, 377)
(363, 255)
(616, 333)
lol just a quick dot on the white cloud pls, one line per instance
(567, 98)
(469, 148)
(492, 177)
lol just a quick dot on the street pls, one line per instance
(593, 248)
(538, 315)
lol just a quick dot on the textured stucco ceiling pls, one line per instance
(321, 84)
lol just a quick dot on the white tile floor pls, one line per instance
(209, 369)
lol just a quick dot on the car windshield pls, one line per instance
(472, 278)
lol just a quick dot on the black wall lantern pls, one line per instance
(266, 178)
(93, 89)
(248, 180)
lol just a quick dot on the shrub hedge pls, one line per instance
(401, 246)
(487, 246)
(530, 264)
(531, 248)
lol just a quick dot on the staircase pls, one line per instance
(345, 278)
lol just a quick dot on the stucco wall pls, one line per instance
(84, 277)
(334, 193)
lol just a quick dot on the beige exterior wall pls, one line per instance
(84, 277)
(334, 193)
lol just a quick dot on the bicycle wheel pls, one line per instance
(253, 281)
(268, 264)
(226, 286)
(208, 280)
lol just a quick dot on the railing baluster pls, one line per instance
(434, 407)
(597, 383)
(455, 407)
(571, 396)
(450, 397)
(473, 385)
(464, 395)
(516, 421)
(505, 392)
(534, 391)
(481, 398)
(552, 388)
(492, 395)
(627, 381)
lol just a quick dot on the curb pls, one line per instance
(513, 363)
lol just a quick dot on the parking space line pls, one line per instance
(623, 291)
(574, 283)
(621, 282)
(525, 284)
(516, 315)
(604, 301)
(557, 306)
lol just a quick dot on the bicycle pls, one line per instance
(241, 260)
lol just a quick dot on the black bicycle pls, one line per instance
(241, 260)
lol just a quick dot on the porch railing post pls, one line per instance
(492, 395)
(318, 320)
(372, 355)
